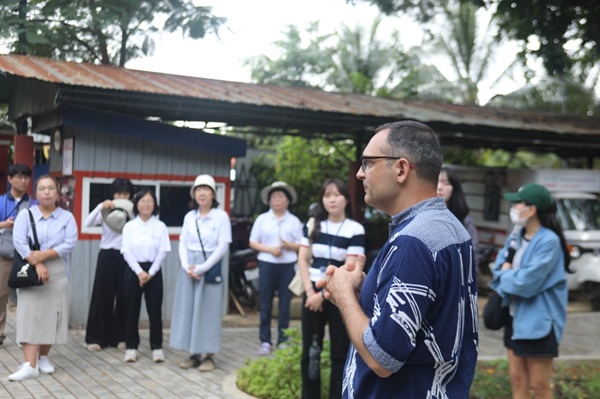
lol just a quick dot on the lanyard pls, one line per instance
(331, 239)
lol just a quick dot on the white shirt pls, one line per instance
(145, 242)
(215, 230)
(110, 239)
(269, 230)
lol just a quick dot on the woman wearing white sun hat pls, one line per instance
(276, 236)
(204, 240)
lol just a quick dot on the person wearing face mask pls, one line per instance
(530, 276)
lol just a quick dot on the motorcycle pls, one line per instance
(243, 279)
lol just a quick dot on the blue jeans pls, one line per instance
(274, 276)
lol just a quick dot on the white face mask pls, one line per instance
(514, 216)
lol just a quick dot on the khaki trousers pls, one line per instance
(5, 290)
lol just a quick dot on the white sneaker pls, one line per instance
(158, 355)
(44, 365)
(130, 355)
(24, 372)
(265, 349)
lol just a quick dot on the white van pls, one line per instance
(576, 192)
(579, 216)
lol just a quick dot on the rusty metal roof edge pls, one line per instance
(110, 77)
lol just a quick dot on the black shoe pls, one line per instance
(192, 362)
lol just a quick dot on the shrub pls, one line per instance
(570, 380)
(279, 376)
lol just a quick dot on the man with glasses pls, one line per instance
(412, 320)
(11, 203)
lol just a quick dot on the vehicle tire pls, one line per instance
(591, 290)
(248, 295)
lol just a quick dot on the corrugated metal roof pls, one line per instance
(122, 79)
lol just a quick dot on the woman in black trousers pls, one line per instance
(145, 246)
(106, 316)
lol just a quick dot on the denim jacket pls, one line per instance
(537, 290)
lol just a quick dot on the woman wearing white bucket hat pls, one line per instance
(276, 236)
(204, 240)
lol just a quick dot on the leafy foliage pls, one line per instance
(106, 32)
(279, 377)
(561, 94)
(304, 164)
(553, 23)
(570, 380)
(298, 63)
(350, 60)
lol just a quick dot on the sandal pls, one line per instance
(207, 364)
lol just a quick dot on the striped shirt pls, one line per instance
(334, 243)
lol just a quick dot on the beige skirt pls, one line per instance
(43, 311)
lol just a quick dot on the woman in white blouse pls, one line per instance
(106, 317)
(43, 311)
(145, 245)
(204, 240)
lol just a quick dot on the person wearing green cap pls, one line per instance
(530, 276)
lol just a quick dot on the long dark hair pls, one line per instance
(320, 213)
(457, 204)
(549, 220)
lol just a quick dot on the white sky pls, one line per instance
(252, 27)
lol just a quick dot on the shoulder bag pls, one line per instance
(23, 274)
(213, 275)
(495, 316)
(296, 285)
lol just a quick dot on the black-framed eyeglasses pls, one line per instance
(364, 160)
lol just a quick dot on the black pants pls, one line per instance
(314, 323)
(153, 295)
(106, 318)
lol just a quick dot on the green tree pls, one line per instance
(554, 23)
(470, 54)
(106, 32)
(304, 164)
(556, 94)
(300, 62)
(351, 60)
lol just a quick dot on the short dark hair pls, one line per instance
(120, 185)
(138, 196)
(19, 169)
(419, 144)
(193, 205)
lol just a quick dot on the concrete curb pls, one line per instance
(231, 390)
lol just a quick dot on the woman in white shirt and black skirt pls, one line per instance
(145, 246)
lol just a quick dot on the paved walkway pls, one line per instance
(81, 374)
